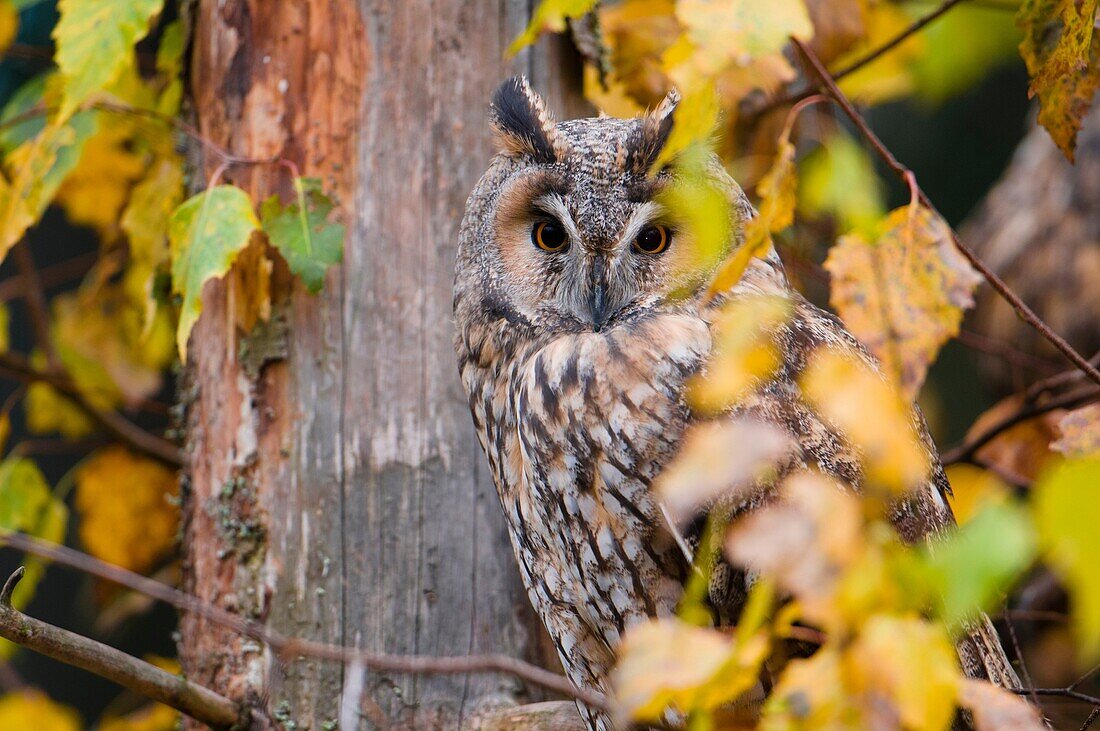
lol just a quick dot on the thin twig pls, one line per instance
(289, 648)
(828, 84)
(1020, 656)
(1058, 379)
(120, 428)
(51, 276)
(1092, 717)
(965, 451)
(34, 294)
(1059, 692)
(128, 671)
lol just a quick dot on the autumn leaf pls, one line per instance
(838, 25)
(903, 668)
(974, 488)
(973, 565)
(871, 414)
(838, 179)
(145, 223)
(1022, 449)
(902, 295)
(721, 460)
(891, 76)
(805, 542)
(996, 709)
(777, 191)
(27, 505)
(151, 717)
(1066, 514)
(124, 503)
(695, 119)
(303, 233)
(9, 24)
(206, 232)
(5, 327)
(745, 353)
(1079, 432)
(638, 34)
(32, 709)
(1062, 54)
(96, 190)
(810, 696)
(95, 40)
(667, 662)
(550, 16)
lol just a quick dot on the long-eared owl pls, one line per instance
(574, 340)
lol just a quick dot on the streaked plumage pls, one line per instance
(575, 365)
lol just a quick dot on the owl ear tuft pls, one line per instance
(524, 125)
(652, 134)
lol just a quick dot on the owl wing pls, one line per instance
(922, 514)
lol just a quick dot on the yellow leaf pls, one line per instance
(1079, 432)
(996, 709)
(31, 709)
(550, 16)
(5, 327)
(1062, 53)
(890, 76)
(848, 393)
(95, 40)
(614, 100)
(721, 460)
(145, 223)
(903, 295)
(737, 31)
(696, 117)
(638, 33)
(806, 543)
(126, 514)
(810, 696)
(667, 662)
(48, 411)
(973, 488)
(95, 192)
(151, 717)
(9, 24)
(1066, 515)
(838, 24)
(744, 353)
(1023, 449)
(904, 668)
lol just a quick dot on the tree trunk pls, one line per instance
(335, 489)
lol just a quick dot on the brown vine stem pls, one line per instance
(120, 428)
(289, 648)
(137, 675)
(828, 85)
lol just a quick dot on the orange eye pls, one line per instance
(549, 236)
(653, 239)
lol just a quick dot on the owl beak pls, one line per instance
(598, 306)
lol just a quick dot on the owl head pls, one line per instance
(567, 230)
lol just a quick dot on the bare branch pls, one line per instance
(828, 84)
(120, 428)
(128, 671)
(35, 296)
(289, 648)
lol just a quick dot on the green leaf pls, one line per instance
(838, 179)
(206, 233)
(976, 563)
(302, 232)
(1067, 514)
(95, 40)
(27, 505)
(550, 16)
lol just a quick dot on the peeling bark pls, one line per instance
(334, 486)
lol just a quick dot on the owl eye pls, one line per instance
(652, 239)
(549, 236)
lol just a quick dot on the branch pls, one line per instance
(115, 424)
(137, 675)
(965, 451)
(289, 648)
(828, 85)
(34, 294)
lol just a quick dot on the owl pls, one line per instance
(576, 330)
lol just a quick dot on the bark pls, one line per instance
(334, 486)
(1039, 229)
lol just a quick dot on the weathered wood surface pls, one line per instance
(335, 485)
